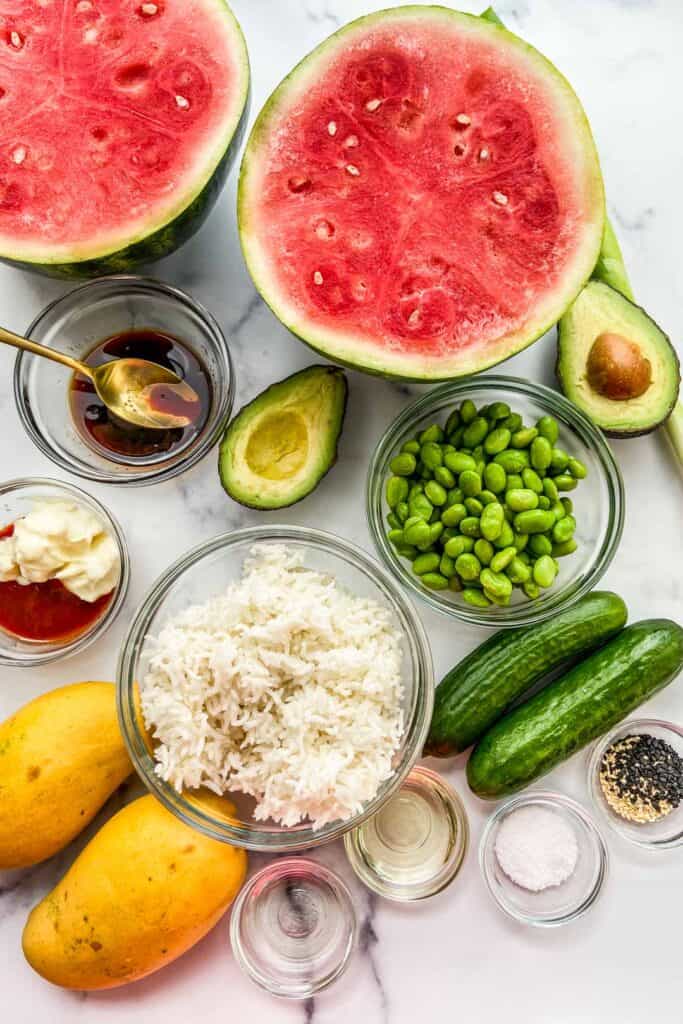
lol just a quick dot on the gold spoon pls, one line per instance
(136, 390)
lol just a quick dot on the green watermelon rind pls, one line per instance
(374, 359)
(181, 223)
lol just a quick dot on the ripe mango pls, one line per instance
(144, 890)
(61, 757)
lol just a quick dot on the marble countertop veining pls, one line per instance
(456, 956)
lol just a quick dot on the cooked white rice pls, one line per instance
(287, 687)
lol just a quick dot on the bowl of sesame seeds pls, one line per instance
(635, 776)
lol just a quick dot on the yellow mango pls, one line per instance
(143, 891)
(61, 757)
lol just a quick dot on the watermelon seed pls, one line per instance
(373, 105)
(182, 102)
(318, 277)
(16, 40)
(351, 142)
(458, 149)
(299, 184)
(332, 128)
(352, 170)
(149, 10)
(500, 198)
(90, 35)
(414, 317)
(19, 154)
(324, 229)
(483, 154)
(463, 120)
(83, 5)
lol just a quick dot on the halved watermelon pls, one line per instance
(118, 121)
(421, 197)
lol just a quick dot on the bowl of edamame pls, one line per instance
(497, 501)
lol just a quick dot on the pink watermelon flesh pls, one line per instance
(424, 198)
(113, 116)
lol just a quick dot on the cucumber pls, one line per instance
(478, 690)
(575, 709)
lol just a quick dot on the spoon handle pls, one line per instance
(8, 338)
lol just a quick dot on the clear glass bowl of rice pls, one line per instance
(205, 573)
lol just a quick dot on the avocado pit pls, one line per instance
(617, 369)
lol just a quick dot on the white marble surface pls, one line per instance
(454, 957)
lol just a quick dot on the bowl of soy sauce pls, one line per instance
(114, 318)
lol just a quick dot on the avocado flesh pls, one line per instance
(280, 445)
(601, 310)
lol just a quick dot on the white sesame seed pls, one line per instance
(373, 105)
(19, 154)
(332, 127)
(318, 277)
(182, 102)
(463, 119)
(352, 170)
(351, 142)
(149, 9)
(500, 198)
(16, 40)
(483, 154)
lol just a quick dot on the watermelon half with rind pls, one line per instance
(119, 120)
(421, 197)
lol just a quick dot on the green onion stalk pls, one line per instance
(611, 269)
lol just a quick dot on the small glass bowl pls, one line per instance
(667, 832)
(206, 571)
(293, 928)
(393, 858)
(75, 323)
(560, 904)
(599, 498)
(16, 500)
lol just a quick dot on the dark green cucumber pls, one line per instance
(577, 708)
(481, 688)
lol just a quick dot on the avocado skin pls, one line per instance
(271, 393)
(660, 416)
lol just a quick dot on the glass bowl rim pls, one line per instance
(112, 612)
(225, 394)
(414, 634)
(552, 798)
(572, 418)
(617, 825)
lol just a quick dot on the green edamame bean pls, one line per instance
(475, 598)
(426, 563)
(520, 540)
(475, 432)
(505, 539)
(417, 533)
(518, 571)
(557, 510)
(536, 521)
(432, 433)
(565, 482)
(468, 411)
(474, 506)
(523, 438)
(495, 477)
(559, 461)
(402, 511)
(403, 465)
(540, 545)
(470, 483)
(495, 584)
(455, 438)
(455, 583)
(446, 566)
(484, 551)
(431, 455)
(455, 497)
(397, 490)
(531, 589)
(469, 527)
(394, 522)
(532, 480)
(563, 530)
(447, 534)
(416, 488)
(443, 476)
(541, 453)
(459, 462)
(492, 520)
(396, 536)
(406, 551)
(548, 428)
(436, 493)
(458, 546)
(435, 581)
(498, 411)
(568, 547)
(421, 506)
(513, 422)
(515, 482)
(453, 515)
(468, 567)
(502, 559)
(577, 468)
(487, 497)
(521, 500)
(550, 490)
(411, 447)
(508, 513)
(568, 505)
(543, 502)
(497, 441)
(544, 571)
(452, 423)
(512, 460)
(435, 531)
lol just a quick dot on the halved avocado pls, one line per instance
(615, 363)
(280, 446)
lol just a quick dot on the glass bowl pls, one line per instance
(560, 904)
(667, 832)
(79, 320)
(16, 499)
(206, 571)
(599, 498)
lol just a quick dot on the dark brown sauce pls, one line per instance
(110, 435)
